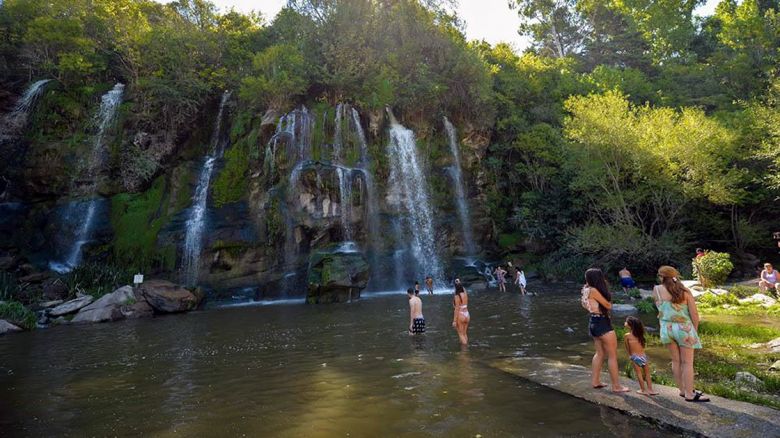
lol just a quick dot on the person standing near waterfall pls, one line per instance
(461, 317)
(429, 284)
(500, 274)
(416, 319)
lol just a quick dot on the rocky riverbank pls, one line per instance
(154, 297)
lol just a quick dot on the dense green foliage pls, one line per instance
(713, 268)
(627, 133)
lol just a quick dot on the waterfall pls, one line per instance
(408, 179)
(298, 132)
(337, 140)
(109, 103)
(17, 118)
(345, 201)
(361, 138)
(196, 222)
(460, 193)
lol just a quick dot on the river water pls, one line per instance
(292, 370)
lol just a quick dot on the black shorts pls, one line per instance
(599, 325)
(418, 325)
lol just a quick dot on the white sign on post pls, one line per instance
(138, 279)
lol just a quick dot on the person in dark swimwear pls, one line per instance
(625, 280)
(597, 300)
(416, 319)
(417, 288)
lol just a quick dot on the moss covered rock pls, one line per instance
(336, 277)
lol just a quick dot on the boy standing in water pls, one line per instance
(416, 320)
(417, 288)
(429, 284)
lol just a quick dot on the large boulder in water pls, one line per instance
(336, 277)
(167, 297)
(120, 304)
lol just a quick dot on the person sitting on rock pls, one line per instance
(769, 279)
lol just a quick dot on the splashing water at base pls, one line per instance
(408, 179)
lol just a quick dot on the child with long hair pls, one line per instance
(634, 340)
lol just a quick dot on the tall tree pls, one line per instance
(556, 26)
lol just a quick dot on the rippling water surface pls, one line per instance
(293, 370)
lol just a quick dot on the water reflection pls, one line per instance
(295, 370)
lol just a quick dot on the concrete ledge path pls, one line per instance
(719, 418)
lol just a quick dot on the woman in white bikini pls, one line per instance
(461, 317)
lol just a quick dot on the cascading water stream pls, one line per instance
(345, 200)
(17, 118)
(460, 192)
(408, 179)
(109, 103)
(338, 142)
(196, 222)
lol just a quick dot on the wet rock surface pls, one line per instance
(336, 277)
(71, 306)
(166, 297)
(721, 417)
(7, 327)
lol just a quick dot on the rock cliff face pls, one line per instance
(301, 198)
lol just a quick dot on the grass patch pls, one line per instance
(15, 313)
(96, 279)
(725, 353)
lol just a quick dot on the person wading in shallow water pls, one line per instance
(597, 300)
(429, 284)
(416, 319)
(461, 317)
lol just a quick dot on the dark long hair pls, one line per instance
(595, 278)
(637, 328)
(459, 289)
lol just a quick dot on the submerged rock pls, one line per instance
(167, 297)
(623, 309)
(336, 277)
(7, 327)
(71, 306)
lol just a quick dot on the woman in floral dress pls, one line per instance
(679, 324)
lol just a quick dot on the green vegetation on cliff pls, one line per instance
(627, 133)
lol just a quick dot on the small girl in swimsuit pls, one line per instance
(634, 340)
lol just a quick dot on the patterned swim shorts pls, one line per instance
(418, 325)
(639, 359)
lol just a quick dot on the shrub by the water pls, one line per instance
(709, 299)
(713, 268)
(15, 313)
(646, 306)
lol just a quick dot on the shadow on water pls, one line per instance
(295, 370)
